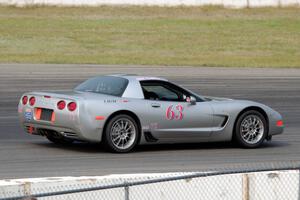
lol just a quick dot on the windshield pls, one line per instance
(104, 85)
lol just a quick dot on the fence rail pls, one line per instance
(259, 183)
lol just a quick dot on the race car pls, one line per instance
(122, 111)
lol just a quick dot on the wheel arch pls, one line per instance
(126, 112)
(256, 108)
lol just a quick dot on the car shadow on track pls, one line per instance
(83, 147)
(203, 146)
(98, 148)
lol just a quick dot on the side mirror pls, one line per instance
(193, 100)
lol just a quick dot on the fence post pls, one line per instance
(126, 190)
(299, 184)
(248, 4)
(245, 187)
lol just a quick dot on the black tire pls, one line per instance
(59, 140)
(238, 135)
(108, 136)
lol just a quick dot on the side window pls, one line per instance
(163, 91)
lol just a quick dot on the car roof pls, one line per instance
(137, 77)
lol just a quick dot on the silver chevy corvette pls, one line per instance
(122, 111)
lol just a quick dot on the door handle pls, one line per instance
(155, 105)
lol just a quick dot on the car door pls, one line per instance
(171, 117)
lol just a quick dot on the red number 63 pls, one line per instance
(176, 113)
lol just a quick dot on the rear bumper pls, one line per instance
(43, 130)
(44, 114)
(69, 126)
(39, 129)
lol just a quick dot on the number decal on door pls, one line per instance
(174, 112)
(180, 110)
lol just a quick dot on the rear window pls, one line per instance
(104, 85)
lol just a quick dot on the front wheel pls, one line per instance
(121, 134)
(251, 129)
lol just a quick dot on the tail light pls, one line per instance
(61, 105)
(32, 101)
(24, 100)
(72, 106)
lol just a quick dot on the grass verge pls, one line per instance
(207, 36)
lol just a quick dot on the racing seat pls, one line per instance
(150, 95)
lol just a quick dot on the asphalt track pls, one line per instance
(23, 155)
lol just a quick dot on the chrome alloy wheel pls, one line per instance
(252, 129)
(123, 133)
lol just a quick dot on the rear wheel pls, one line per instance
(250, 129)
(121, 134)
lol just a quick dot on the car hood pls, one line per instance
(210, 98)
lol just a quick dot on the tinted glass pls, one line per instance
(104, 85)
(165, 91)
(158, 92)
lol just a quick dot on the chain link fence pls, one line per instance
(246, 184)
